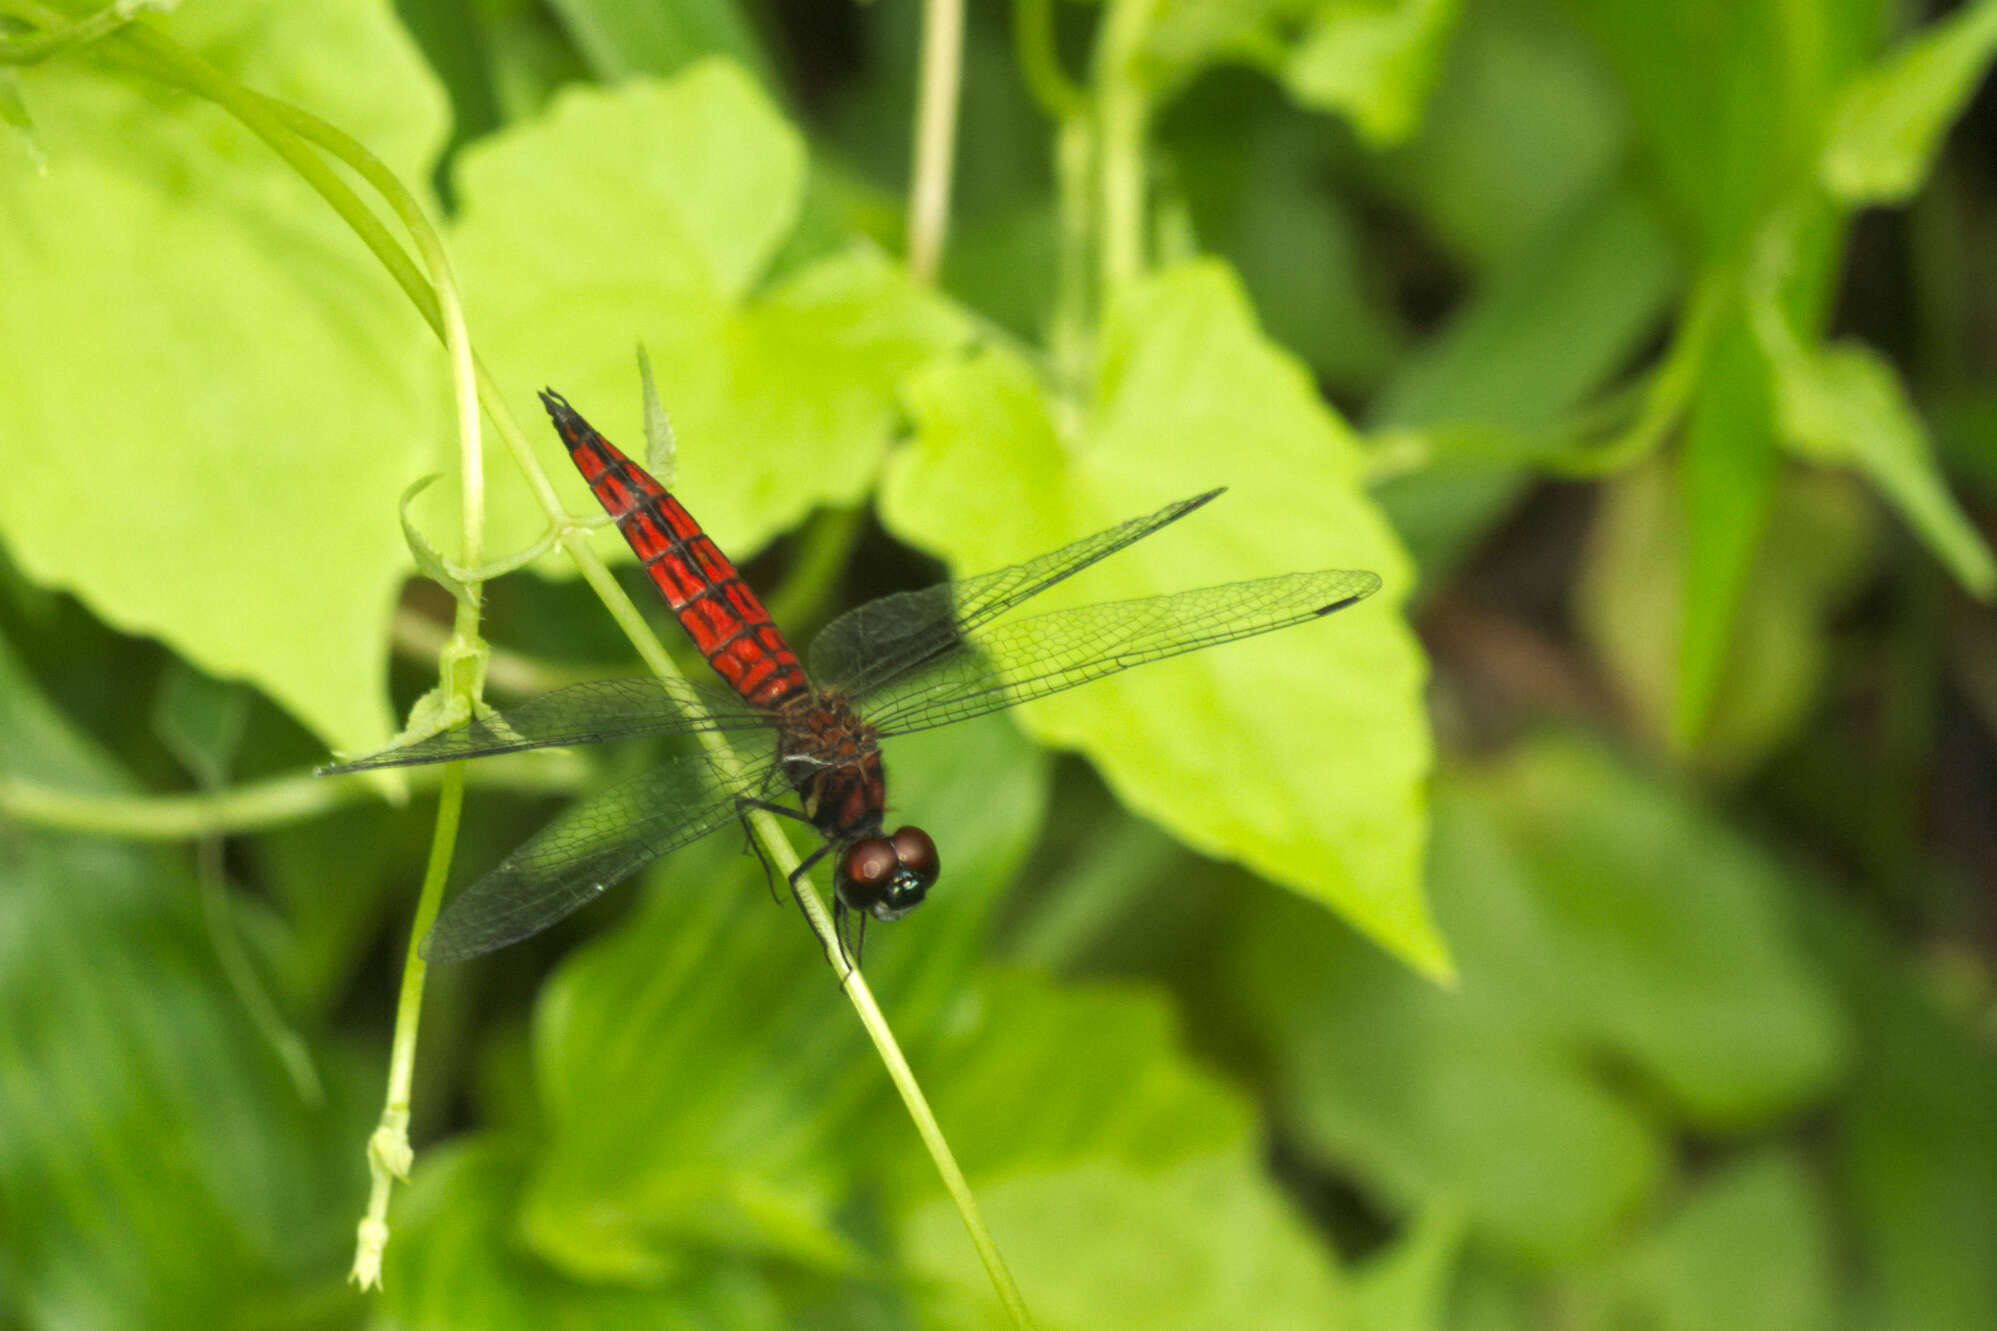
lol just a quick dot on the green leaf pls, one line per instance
(1890, 120)
(1525, 134)
(224, 392)
(1915, 1156)
(1123, 1185)
(1373, 60)
(700, 1076)
(651, 212)
(661, 448)
(1728, 107)
(1303, 754)
(201, 721)
(1438, 1098)
(1406, 1288)
(1751, 1247)
(1675, 929)
(453, 1262)
(1557, 875)
(156, 1167)
(619, 40)
(1845, 405)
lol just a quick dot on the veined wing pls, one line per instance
(865, 648)
(1031, 658)
(588, 849)
(591, 713)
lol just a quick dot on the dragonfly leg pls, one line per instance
(850, 956)
(744, 804)
(859, 939)
(850, 938)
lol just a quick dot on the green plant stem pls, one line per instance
(938, 1146)
(57, 32)
(935, 135)
(227, 940)
(1122, 120)
(1033, 46)
(1671, 384)
(247, 808)
(389, 1153)
(421, 638)
(1068, 331)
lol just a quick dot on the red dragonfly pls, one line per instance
(906, 662)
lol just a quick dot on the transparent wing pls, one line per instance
(588, 849)
(603, 709)
(1031, 658)
(864, 648)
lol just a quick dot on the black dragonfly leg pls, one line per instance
(844, 931)
(743, 805)
(849, 956)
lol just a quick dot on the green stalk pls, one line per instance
(1123, 113)
(389, 1154)
(935, 135)
(1033, 46)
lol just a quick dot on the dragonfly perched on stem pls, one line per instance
(906, 662)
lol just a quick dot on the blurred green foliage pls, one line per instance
(1594, 930)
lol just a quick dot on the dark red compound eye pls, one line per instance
(916, 853)
(867, 866)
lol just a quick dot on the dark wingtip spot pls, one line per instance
(1339, 605)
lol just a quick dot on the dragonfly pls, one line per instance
(906, 662)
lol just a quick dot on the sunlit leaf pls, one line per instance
(215, 392)
(1374, 61)
(1301, 754)
(1845, 405)
(652, 212)
(1890, 120)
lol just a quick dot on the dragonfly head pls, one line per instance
(887, 877)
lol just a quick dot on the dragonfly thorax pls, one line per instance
(832, 759)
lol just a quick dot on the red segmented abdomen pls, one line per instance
(725, 619)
